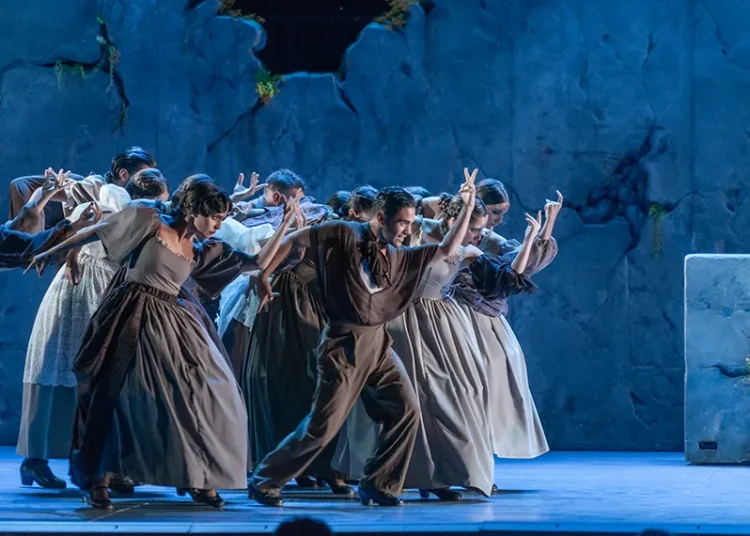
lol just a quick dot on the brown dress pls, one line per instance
(361, 289)
(157, 400)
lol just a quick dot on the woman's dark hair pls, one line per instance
(147, 183)
(450, 207)
(492, 192)
(363, 198)
(339, 203)
(418, 191)
(392, 199)
(131, 160)
(199, 194)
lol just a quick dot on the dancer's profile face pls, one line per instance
(496, 213)
(474, 232)
(206, 226)
(396, 229)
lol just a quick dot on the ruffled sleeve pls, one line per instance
(126, 230)
(219, 264)
(244, 238)
(487, 283)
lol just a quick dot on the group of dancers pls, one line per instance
(359, 340)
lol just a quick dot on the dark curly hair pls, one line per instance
(392, 199)
(450, 207)
(492, 192)
(199, 194)
(131, 160)
(339, 203)
(147, 183)
(363, 199)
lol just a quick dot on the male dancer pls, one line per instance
(366, 279)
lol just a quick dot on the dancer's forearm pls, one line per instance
(452, 240)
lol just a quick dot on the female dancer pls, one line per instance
(157, 401)
(516, 428)
(49, 385)
(435, 341)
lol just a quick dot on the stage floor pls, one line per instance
(562, 492)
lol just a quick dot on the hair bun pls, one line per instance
(444, 201)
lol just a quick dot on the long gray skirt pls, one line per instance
(157, 400)
(435, 341)
(516, 428)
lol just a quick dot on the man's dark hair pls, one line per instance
(392, 199)
(303, 526)
(284, 181)
(363, 198)
(131, 160)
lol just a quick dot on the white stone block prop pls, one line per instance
(717, 346)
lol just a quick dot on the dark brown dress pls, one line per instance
(157, 400)
(361, 289)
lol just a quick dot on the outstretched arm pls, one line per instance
(85, 228)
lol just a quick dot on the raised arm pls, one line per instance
(551, 210)
(31, 216)
(532, 230)
(452, 240)
(270, 248)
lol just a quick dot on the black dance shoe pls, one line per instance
(37, 470)
(265, 497)
(306, 482)
(338, 487)
(444, 494)
(369, 496)
(122, 485)
(98, 497)
(201, 496)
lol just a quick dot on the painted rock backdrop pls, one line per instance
(635, 110)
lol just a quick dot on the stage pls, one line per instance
(560, 493)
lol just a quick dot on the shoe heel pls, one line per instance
(27, 480)
(424, 493)
(365, 499)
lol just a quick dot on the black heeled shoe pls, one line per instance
(443, 494)
(338, 487)
(306, 482)
(122, 485)
(201, 496)
(98, 497)
(369, 496)
(36, 470)
(494, 489)
(266, 498)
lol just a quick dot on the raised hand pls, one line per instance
(552, 208)
(534, 224)
(291, 206)
(468, 189)
(241, 193)
(54, 182)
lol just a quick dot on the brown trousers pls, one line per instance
(353, 361)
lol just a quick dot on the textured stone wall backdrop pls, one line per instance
(635, 110)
